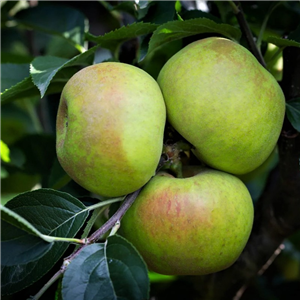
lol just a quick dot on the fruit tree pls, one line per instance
(150, 150)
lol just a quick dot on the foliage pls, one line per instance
(44, 213)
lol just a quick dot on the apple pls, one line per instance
(190, 226)
(221, 100)
(110, 126)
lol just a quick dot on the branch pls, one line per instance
(92, 239)
(115, 218)
(237, 10)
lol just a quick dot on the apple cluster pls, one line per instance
(110, 128)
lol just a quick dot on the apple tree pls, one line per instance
(63, 240)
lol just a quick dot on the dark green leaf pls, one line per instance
(126, 6)
(18, 245)
(11, 74)
(193, 14)
(293, 112)
(26, 88)
(176, 30)
(44, 68)
(39, 152)
(295, 35)
(44, 17)
(51, 213)
(225, 11)
(19, 222)
(20, 88)
(280, 42)
(109, 271)
(114, 39)
(58, 177)
(160, 12)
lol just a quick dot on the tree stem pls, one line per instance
(113, 221)
(237, 10)
(115, 218)
(54, 278)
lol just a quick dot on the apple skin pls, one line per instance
(110, 126)
(221, 100)
(190, 226)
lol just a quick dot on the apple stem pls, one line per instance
(173, 161)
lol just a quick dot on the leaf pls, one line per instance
(11, 74)
(58, 177)
(295, 35)
(160, 12)
(293, 112)
(5, 152)
(39, 152)
(194, 14)
(175, 30)
(107, 271)
(24, 242)
(18, 221)
(26, 88)
(113, 39)
(44, 17)
(280, 42)
(129, 7)
(44, 68)
(51, 213)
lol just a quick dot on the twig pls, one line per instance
(241, 291)
(115, 218)
(92, 239)
(271, 259)
(54, 278)
(237, 10)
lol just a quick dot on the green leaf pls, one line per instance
(280, 42)
(44, 17)
(39, 152)
(58, 177)
(5, 153)
(176, 30)
(11, 74)
(195, 14)
(293, 112)
(18, 221)
(26, 88)
(160, 12)
(112, 270)
(295, 35)
(22, 242)
(52, 213)
(18, 89)
(129, 7)
(44, 68)
(112, 40)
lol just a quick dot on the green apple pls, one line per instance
(190, 226)
(221, 100)
(110, 126)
